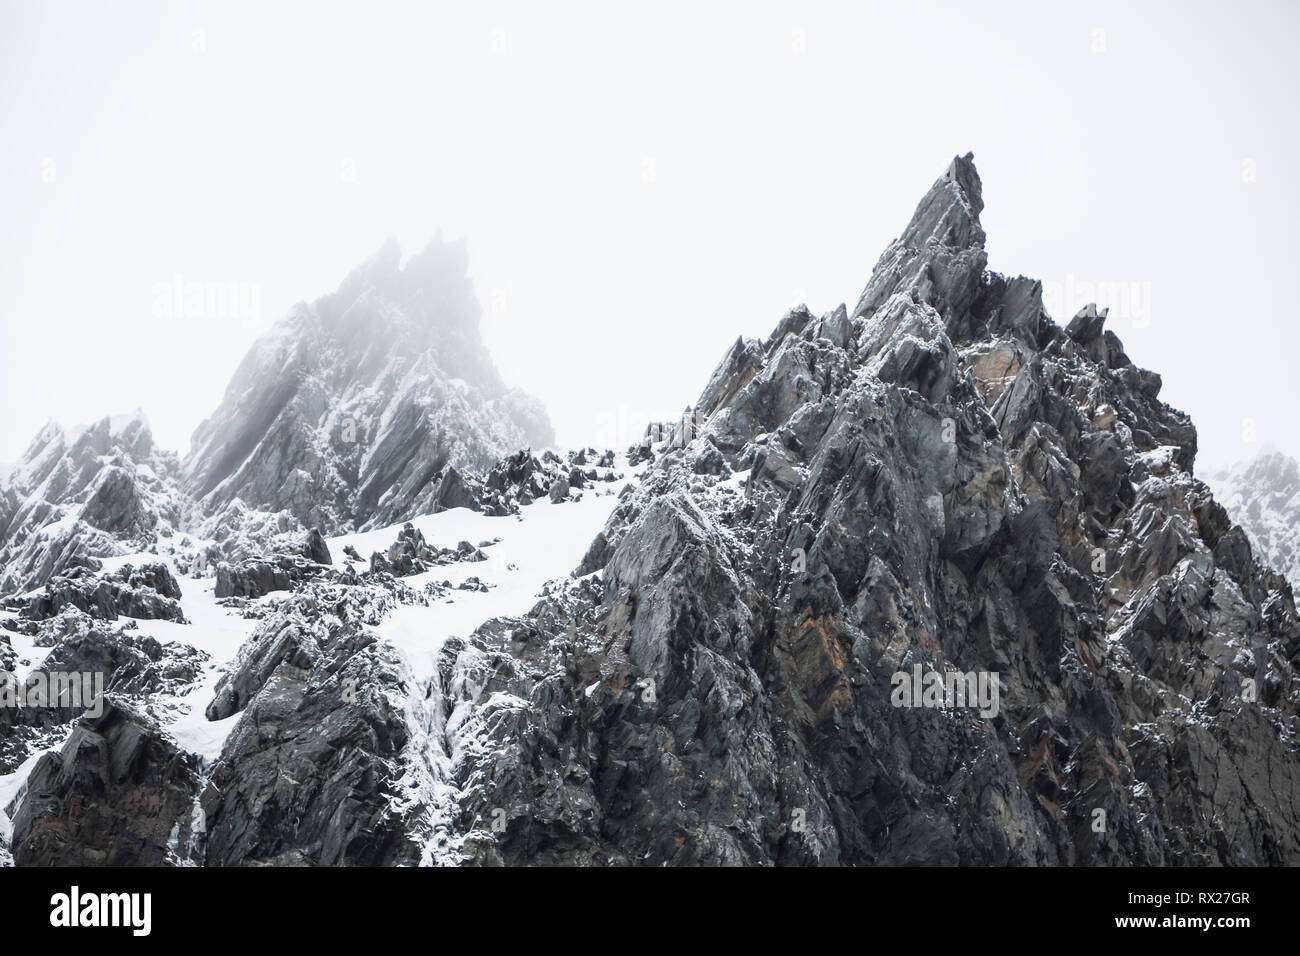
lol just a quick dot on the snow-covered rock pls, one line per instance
(672, 656)
(348, 411)
(86, 493)
(1263, 496)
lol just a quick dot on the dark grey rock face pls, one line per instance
(454, 492)
(259, 576)
(348, 411)
(117, 794)
(309, 774)
(948, 480)
(130, 664)
(89, 667)
(315, 548)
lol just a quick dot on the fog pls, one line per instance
(638, 184)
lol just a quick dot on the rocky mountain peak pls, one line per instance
(1274, 468)
(949, 212)
(128, 435)
(939, 258)
(433, 291)
(81, 493)
(947, 482)
(928, 582)
(348, 411)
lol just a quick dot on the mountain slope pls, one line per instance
(347, 412)
(376, 403)
(927, 582)
(1263, 495)
(945, 481)
(82, 494)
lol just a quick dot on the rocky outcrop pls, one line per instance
(84, 494)
(149, 592)
(87, 660)
(309, 775)
(237, 532)
(453, 491)
(315, 549)
(117, 794)
(942, 481)
(522, 478)
(130, 664)
(347, 412)
(411, 554)
(259, 576)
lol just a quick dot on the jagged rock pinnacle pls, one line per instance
(351, 406)
(941, 252)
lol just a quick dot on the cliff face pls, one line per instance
(346, 413)
(944, 480)
(931, 581)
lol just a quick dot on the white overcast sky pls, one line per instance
(638, 183)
